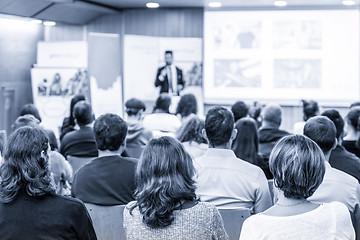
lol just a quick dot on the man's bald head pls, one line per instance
(271, 114)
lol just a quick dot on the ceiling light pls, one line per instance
(37, 21)
(349, 2)
(215, 4)
(152, 5)
(280, 3)
(49, 23)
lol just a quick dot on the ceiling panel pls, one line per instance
(25, 8)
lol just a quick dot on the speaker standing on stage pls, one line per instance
(169, 77)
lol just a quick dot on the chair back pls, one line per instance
(77, 162)
(107, 221)
(233, 221)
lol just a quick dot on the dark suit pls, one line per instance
(164, 85)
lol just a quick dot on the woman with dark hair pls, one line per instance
(69, 122)
(29, 207)
(187, 106)
(298, 166)
(246, 144)
(166, 205)
(352, 131)
(190, 135)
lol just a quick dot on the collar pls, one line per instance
(327, 165)
(220, 152)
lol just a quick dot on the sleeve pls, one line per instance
(263, 198)
(218, 226)
(158, 82)
(344, 226)
(180, 77)
(246, 230)
(84, 227)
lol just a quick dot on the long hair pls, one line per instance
(246, 143)
(164, 179)
(25, 165)
(191, 130)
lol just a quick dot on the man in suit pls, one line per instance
(169, 77)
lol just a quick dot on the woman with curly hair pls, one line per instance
(29, 207)
(166, 205)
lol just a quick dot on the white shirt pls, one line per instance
(329, 221)
(229, 182)
(337, 186)
(161, 124)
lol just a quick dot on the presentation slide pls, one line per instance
(281, 56)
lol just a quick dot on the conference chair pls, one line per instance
(233, 221)
(77, 162)
(107, 221)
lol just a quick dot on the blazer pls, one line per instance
(164, 85)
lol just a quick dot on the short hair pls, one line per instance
(272, 113)
(187, 105)
(336, 118)
(191, 130)
(169, 52)
(353, 118)
(219, 124)
(133, 106)
(310, 109)
(164, 178)
(240, 110)
(355, 104)
(163, 102)
(73, 101)
(26, 165)
(30, 109)
(110, 131)
(25, 120)
(298, 166)
(83, 113)
(321, 130)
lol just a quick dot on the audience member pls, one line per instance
(223, 179)
(339, 157)
(352, 131)
(336, 185)
(246, 144)
(32, 110)
(166, 205)
(137, 136)
(298, 166)
(310, 109)
(29, 207)
(69, 122)
(239, 110)
(187, 107)
(269, 132)
(108, 179)
(354, 105)
(80, 143)
(190, 135)
(161, 122)
(255, 113)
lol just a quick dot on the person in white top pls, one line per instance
(337, 185)
(298, 166)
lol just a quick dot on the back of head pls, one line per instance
(25, 164)
(187, 105)
(83, 113)
(163, 103)
(353, 118)
(355, 104)
(310, 109)
(245, 145)
(30, 109)
(74, 100)
(219, 125)
(164, 178)
(25, 120)
(110, 131)
(191, 130)
(336, 118)
(133, 106)
(321, 130)
(297, 164)
(272, 114)
(240, 110)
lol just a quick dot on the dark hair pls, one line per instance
(110, 131)
(24, 166)
(240, 110)
(353, 118)
(336, 118)
(219, 125)
(191, 130)
(246, 143)
(30, 109)
(83, 113)
(74, 100)
(355, 104)
(169, 52)
(322, 131)
(310, 109)
(163, 103)
(164, 178)
(133, 106)
(187, 105)
(298, 166)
